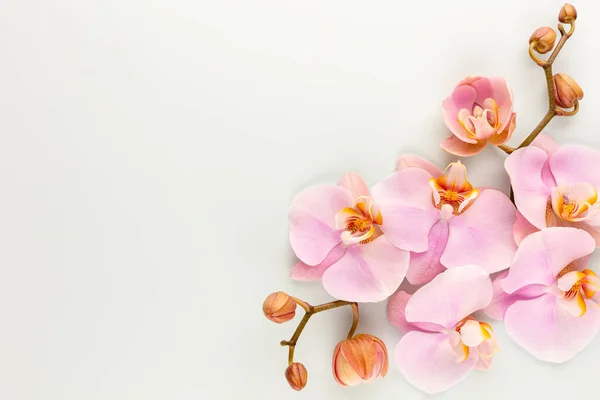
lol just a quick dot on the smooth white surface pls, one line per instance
(150, 150)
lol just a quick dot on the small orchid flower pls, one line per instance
(443, 342)
(547, 297)
(555, 186)
(336, 233)
(443, 220)
(479, 111)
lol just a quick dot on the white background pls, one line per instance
(150, 150)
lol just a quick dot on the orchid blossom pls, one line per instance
(336, 232)
(548, 297)
(443, 220)
(479, 111)
(556, 186)
(443, 343)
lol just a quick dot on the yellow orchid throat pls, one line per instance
(453, 188)
(576, 286)
(359, 224)
(575, 202)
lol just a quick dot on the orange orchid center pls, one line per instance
(575, 202)
(453, 189)
(471, 333)
(359, 224)
(576, 286)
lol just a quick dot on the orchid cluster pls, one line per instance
(462, 248)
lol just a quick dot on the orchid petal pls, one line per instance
(408, 161)
(454, 145)
(503, 136)
(544, 254)
(397, 316)
(576, 163)
(524, 166)
(522, 228)
(312, 221)
(395, 311)
(482, 234)
(428, 362)
(354, 184)
(367, 273)
(549, 331)
(404, 199)
(426, 265)
(451, 296)
(502, 300)
(303, 272)
(463, 97)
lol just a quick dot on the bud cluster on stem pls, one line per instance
(280, 307)
(563, 91)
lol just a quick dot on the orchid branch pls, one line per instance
(553, 107)
(309, 312)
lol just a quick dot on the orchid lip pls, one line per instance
(576, 202)
(359, 224)
(470, 333)
(453, 189)
(573, 287)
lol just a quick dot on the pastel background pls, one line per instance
(150, 150)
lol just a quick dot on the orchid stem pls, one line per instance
(506, 149)
(312, 310)
(354, 320)
(547, 66)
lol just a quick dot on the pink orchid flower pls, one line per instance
(443, 220)
(336, 233)
(547, 297)
(555, 186)
(443, 342)
(479, 111)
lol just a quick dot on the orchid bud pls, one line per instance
(566, 91)
(363, 358)
(543, 39)
(567, 14)
(296, 375)
(279, 307)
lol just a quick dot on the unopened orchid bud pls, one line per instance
(567, 14)
(296, 375)
(543, 39)
(566, 91)
(363, 358)
(279, 307)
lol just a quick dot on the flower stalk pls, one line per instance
(553, 109)
(309, 312)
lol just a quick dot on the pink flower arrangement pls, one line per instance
(448, 238)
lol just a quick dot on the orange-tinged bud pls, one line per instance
(279, 307)
(543, 39)
(567, 14)
(296, 375)
(363, 358)
(566, 91)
